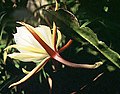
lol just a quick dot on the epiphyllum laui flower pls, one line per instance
(38, 45)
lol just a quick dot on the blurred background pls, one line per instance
(102, 16)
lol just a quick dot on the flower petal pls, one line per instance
(24, 38)
(36, 69)
(46, 33)
(37, 36)
(58, 38)
(65, 46)
(28, 57)
(26, 49)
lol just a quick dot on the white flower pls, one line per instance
(39, 45)
(29, 48)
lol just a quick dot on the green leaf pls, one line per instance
(69, 25)
(91, 37)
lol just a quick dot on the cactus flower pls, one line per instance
(38, 45)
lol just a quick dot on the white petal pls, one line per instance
(27, 49)
(28, 57)
(24, 38)
(46, 33)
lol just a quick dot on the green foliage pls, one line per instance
(70, 27)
